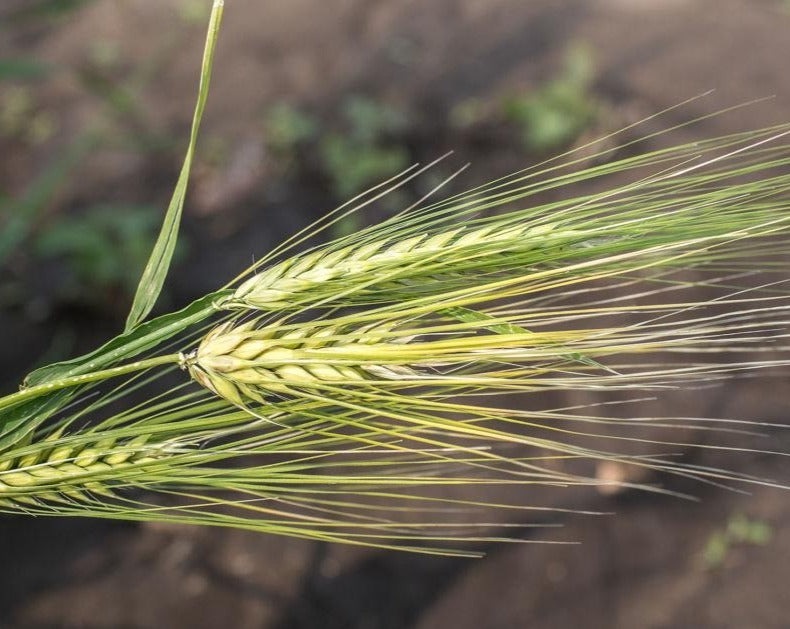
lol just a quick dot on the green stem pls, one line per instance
(92, 376)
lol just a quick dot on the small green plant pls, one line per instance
(556, 113)
(366, 390)
(361, 149)
(103, 248)
(288, 129)
(365, 149)
(467, 113)
(364, 146)
(21, 120)
(740, 530)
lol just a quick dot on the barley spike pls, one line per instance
(285, 285)
(245, 362)
(71, 469)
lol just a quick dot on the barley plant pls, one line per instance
(390, 388)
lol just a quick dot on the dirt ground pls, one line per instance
(648, 565)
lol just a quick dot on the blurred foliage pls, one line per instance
(366, 141)
(367, 148)
(739, 530)
(22, 120)
(194, 11)
(368, 120)
(37, 10)
(556, 113)
(19, 216)
(105, 54)
(363, 145)
(98, 252)
(103, 248)
(468, 113)
(352, 166)
(23, 69)
(362, 142)
(288, 129)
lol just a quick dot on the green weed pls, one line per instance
(739, 531)
(553, 115)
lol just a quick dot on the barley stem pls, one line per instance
(86, 378)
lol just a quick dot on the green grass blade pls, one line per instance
(158, 264)
(130, 344)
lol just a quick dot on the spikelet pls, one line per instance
(242, 363)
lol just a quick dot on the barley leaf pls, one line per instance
(158, 264)
(131, 343)
(20, 419)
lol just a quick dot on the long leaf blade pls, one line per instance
(153, 277)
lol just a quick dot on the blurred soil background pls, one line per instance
(313, 101)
